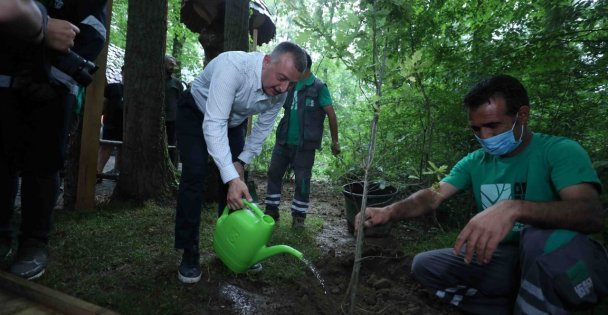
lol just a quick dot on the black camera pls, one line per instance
(80, 69)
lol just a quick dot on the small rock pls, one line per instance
(372, 279)
(382, 283)
(370, 299)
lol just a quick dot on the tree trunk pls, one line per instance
(146, 173)
(70, 179)
(178, 47)
(236, 25)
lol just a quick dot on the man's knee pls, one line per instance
(565, 262)
(537, 242)
(420, 270)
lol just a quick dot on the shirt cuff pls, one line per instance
(228, 173)
(246, 157)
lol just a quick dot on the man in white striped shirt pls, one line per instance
(211, 120)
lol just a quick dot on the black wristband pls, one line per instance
(241, 162)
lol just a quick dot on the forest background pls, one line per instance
(412, 62)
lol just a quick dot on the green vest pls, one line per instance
(311, 117)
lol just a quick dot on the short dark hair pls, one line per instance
(308, 61)
(170, 58)
(299, 56)
(508, 87)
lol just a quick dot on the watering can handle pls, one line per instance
(254, 208)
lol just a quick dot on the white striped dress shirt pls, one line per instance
(227, 92)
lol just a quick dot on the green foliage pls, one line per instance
(436, 173)
(181, 42)
(436, 51)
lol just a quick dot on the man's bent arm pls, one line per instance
(421, 202)
(23, 19)
(579, 210)
(417, 204)
(333, 124)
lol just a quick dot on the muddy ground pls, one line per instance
(386, 286)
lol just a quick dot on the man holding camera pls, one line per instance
(38, 86)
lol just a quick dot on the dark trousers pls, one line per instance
(171, 137)
(302, 162)
(550, 272)
(32, 138)
(193, 155)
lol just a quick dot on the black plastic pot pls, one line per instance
(377, 196)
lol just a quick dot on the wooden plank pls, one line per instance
(4, 296)
(14, 305)
(61, 302)
(37, 310)
(89, 146)
(119, 143)
(11, 304)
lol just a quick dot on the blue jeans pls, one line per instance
(193, 155)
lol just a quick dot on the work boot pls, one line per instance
(31, 261)
(297, 222)
(189, 270)
(274, 213)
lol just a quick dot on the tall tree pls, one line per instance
(146, 173)
(236, 25)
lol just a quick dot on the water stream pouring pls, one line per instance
(240, 238)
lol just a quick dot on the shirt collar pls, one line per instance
(306, 82)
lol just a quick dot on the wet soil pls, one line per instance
(385, 283)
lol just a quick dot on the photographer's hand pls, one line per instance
(60, 35)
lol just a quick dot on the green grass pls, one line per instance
(427, 240)
(123, 258)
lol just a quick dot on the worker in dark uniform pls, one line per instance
(38, 85)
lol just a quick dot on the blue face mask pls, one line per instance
(503, 143)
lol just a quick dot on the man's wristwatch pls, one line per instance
(241, 162)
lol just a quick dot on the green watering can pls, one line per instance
(240, 238)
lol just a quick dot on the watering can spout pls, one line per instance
(266, 252)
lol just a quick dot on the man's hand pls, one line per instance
(373, 216)
(237, 190)
(335, 148)
(485, 230)
(60, 35)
